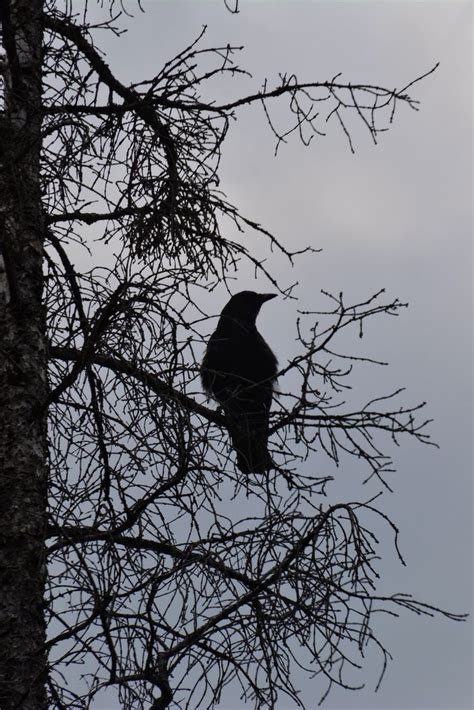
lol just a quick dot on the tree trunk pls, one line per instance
(23, 382)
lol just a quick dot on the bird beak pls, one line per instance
(267, 296)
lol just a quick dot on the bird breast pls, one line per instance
(235, 359)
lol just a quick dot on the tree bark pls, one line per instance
(23, 381)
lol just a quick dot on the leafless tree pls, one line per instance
(170, 574)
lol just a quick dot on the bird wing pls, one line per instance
(238, 370)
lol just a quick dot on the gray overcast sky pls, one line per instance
(396, 215)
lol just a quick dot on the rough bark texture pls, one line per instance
(22, 366)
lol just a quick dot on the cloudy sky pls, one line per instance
(396, 215)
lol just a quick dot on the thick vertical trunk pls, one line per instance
(22, 365)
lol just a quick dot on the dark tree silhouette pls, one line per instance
(170, 573)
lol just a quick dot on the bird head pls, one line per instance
(244, 306)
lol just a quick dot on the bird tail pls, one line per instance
(250, 440)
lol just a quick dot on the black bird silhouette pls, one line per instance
(238, 371)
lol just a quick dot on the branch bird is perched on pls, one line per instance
(238, 371)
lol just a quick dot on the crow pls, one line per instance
(238, 371)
